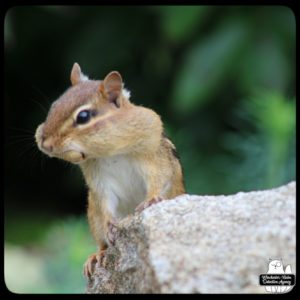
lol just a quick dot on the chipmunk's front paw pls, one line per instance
(148, 203)
(92, 260)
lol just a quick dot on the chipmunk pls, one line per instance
(127, 161)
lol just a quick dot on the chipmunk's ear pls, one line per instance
(76, 75)
(112, 86)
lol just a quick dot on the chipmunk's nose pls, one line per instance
(47, 144)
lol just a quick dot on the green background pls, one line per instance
(222, 78)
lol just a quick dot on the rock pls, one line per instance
(201, 244)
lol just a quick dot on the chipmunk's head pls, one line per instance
(81, 122)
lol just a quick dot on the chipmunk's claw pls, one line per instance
(148, 203)
(92, 260)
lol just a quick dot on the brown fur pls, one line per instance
(65, 105)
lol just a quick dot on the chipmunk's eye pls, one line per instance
(83, 117)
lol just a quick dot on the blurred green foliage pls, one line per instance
(221, 77)
(266, 149)
(68, 243)
(56, 264)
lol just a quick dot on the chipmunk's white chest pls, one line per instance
(121, 181)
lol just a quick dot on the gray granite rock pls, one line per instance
(201, 244)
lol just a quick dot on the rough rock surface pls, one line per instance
(201, 244)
